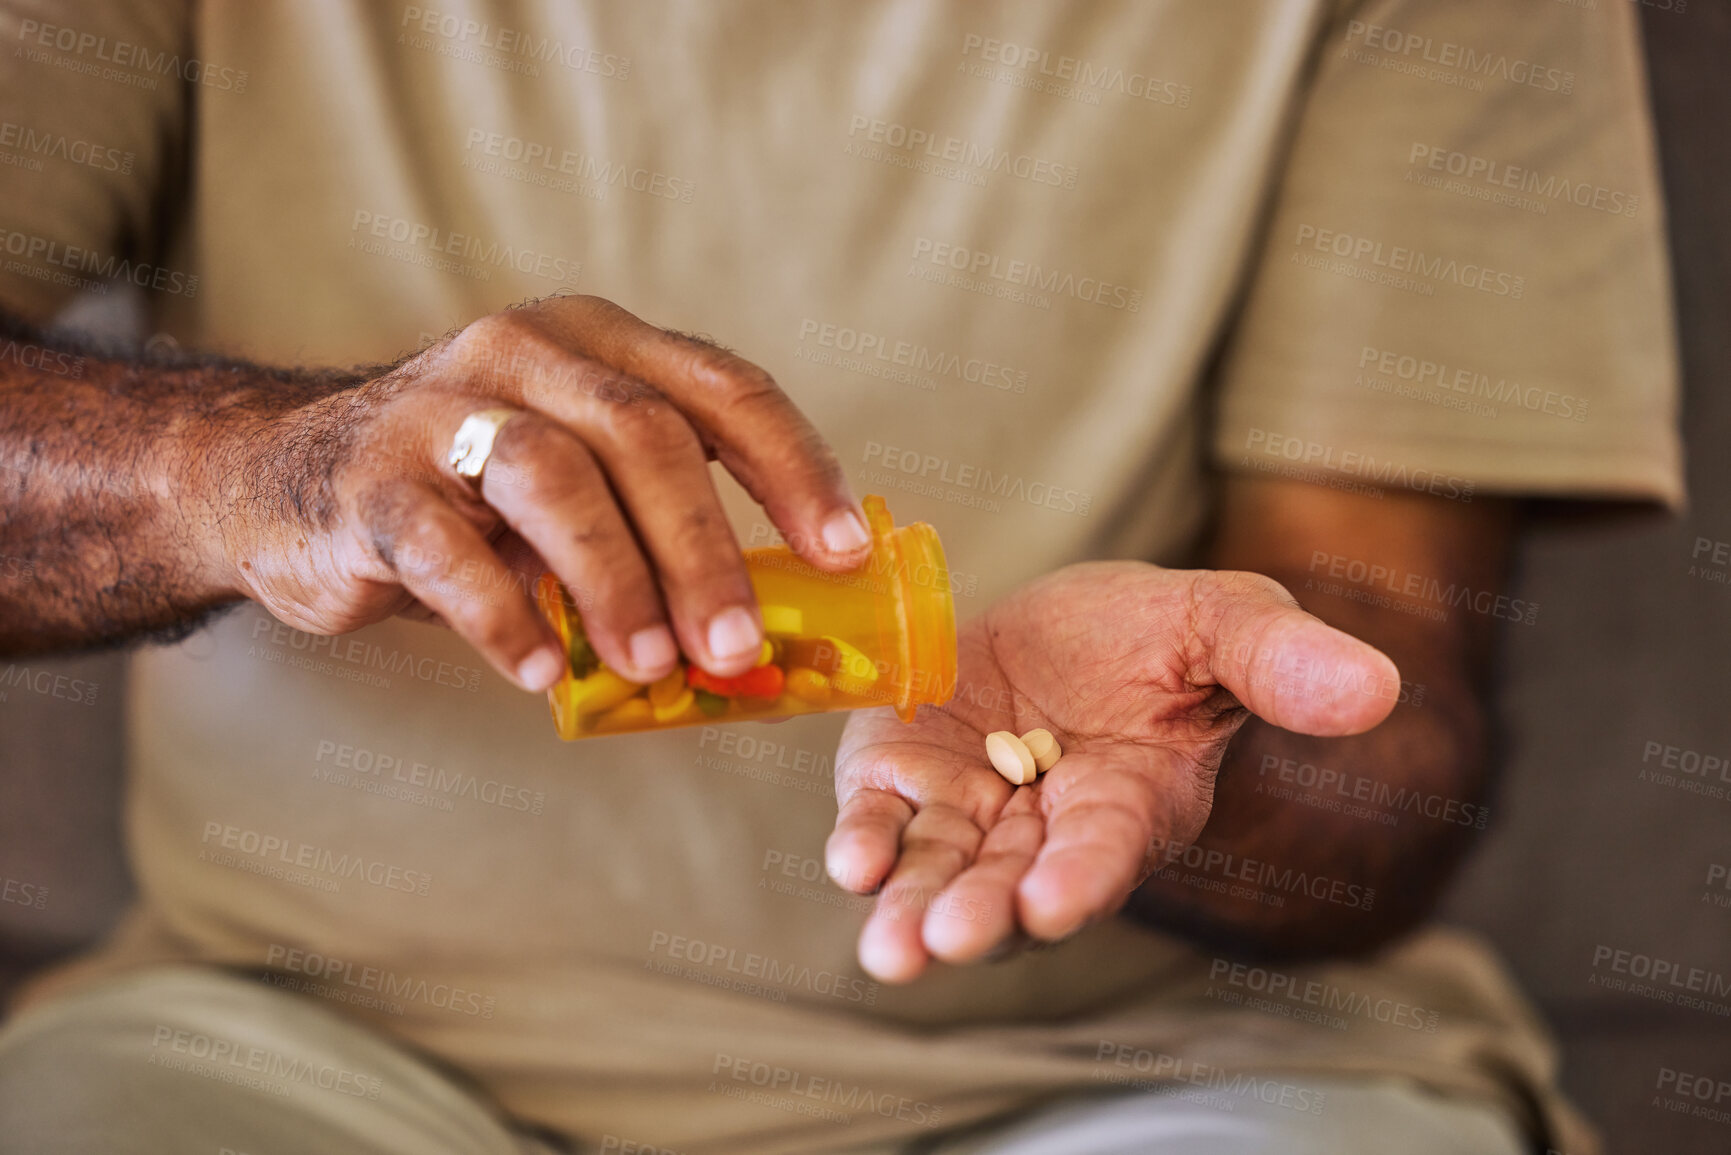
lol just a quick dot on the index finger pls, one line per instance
(757, 432)
(1282, 664)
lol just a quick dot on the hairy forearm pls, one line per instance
(1320, 845)
(113, 475)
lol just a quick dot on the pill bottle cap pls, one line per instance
(924, 606)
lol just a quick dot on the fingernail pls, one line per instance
(541, 669)
(1072, 929)
(733, 633)
(652, 648)
(844, 533)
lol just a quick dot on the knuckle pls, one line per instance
(588, 308)
(806, 455)
(646, 427)
(698, 534)
(486, 628)
(719, 370)
(392, 514)
(484, 337)
(592, 379)
(1255, 585)
(498, 342)
(425, 548)
(540, 458)
(558, 487)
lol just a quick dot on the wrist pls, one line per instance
(249, 470)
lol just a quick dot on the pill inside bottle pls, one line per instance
(881, 635)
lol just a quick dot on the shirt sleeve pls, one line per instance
(1464, 286)
(93, 103)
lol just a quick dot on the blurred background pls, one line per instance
(1631, 649)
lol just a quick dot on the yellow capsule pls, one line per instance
(627, 715)
(782, 619)
(667, 689)
(600, 691)
(808, 686)
(831, 656)
(766, 655)
(676, 710)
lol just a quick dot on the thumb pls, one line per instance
(1284, 665)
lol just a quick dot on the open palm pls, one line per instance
(1143, 674)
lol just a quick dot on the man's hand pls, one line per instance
(336, 507)
(1389, 813)
(1142, 674)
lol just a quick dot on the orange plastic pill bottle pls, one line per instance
(882, 635)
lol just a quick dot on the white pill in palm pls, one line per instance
(1010, 757)
(1043, 747)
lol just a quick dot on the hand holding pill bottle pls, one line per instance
(882, 635)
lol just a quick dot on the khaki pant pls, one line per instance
(187, 1061)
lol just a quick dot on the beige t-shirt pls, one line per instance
(1015, 260)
